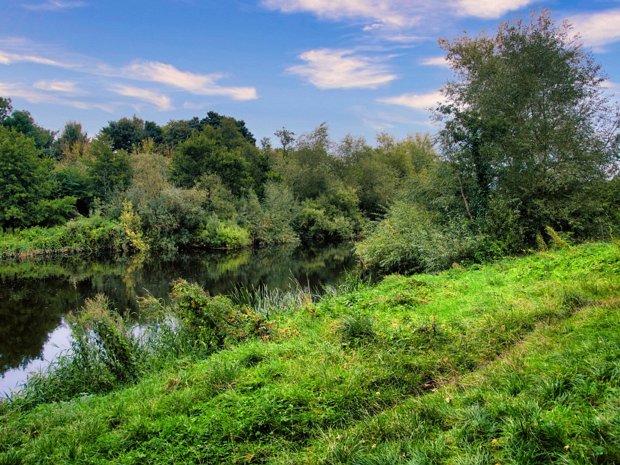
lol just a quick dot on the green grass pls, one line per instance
(512, 363)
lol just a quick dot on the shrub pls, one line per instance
(79, 235)
(104, 330)
(103, 355)
(270, 221)
(219, 234)
(213, 322)
(409, 240)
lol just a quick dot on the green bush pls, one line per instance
(213, 322)
(315, 225)
(219, 234)
(270, 222)
(103, 355)
(409, 240)
(79, 235)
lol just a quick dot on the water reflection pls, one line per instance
(35, 295)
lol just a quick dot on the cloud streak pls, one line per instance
(199, 84)
(598, 29)
(7, 58)
(415, 101)
(435, 61)
(396, 14)
(489, 9)
(12, 52)
(383, 12)
(341, 69)
(54, 5)
(160, 101)
(36, 96)
(65, 87)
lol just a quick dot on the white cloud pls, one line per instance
(598, 29)
(341, 69)
(381, 12)
(66, 87)
(415, 101)
(54, 5)
(609, 84)
(199, 84)
(489, 9)
(20, 51)
(403, 38)
(7, 58)
(397, 14)
(435, 61)
(35, 96)
(162, 102)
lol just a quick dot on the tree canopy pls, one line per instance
(528, 131)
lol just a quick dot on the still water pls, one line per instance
(36, 295)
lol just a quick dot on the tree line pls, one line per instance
(527, 153)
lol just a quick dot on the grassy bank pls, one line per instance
(514, 362)
(82, 235)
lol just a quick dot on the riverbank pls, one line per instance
(79, 236)
(512, 362)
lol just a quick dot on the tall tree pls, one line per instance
(528, 130)
(22, 179)
(125, 133)
(71, 143)
(109, 169)
(23, 122)
(6, 108)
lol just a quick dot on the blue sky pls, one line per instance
(362, 66)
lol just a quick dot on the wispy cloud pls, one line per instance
(341, 69)
(489, 9)
(20, 51)
(162, 102)
(54, 5)
(381, 12)
(199, 84)
(397, 14)
(415, 101)
(36, 96)
(598, 29)
(66, 87)
(435, 61)
(7, 58)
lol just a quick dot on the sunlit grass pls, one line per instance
(514, 362)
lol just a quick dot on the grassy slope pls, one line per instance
(515, 362)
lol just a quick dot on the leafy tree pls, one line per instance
(22, 179)
(528, 131)
(286, 138)
(71, 143)
(125, 134)
(73, 180)
(110, 170)
(224, 152)
(23, 122)
(176, 132)
(153, 131)
(26, 184)
(5, 108)
(215, 120)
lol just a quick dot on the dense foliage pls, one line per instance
(529, 147)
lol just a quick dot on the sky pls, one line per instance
(361, 66)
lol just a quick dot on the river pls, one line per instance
(36, 295)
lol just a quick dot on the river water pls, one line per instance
(36, 295)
